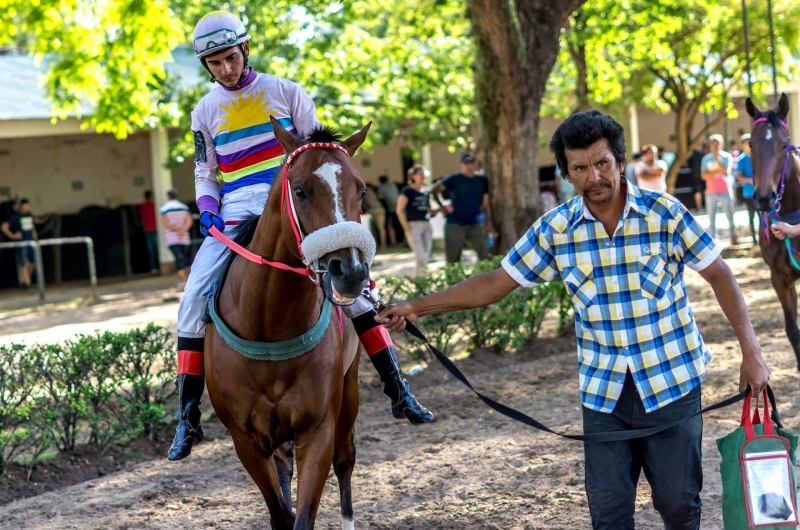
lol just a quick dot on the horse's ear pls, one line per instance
(354, 142)
(287, 139)
(751, 109)
(783, 106)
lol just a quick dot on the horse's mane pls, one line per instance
(245, 231)
(324, 133)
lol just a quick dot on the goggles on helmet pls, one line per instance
(216, 39)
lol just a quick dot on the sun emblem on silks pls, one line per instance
(246, 111)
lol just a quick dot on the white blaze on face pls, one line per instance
(347, 524)
(327, 173)
(769, 133)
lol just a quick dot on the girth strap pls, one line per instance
(273, 351)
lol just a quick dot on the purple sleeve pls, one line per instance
(208, 203)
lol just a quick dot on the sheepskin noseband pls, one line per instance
(337, 237)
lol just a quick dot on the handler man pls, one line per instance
(621, 252)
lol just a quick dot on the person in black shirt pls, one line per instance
(413, 211)
(20, 227)
(470, 197)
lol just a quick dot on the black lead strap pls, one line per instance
(613, 436)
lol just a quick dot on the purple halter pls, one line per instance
(789, 149)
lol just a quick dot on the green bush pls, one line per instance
(100, 389)
(501, 326)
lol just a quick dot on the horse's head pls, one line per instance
(325, 190)
(768, 142)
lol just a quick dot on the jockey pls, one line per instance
(236, 159)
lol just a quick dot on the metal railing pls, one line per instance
(57, 241)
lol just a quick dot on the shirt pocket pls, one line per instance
(654, 278)
(580, 282)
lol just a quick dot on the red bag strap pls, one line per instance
(749, 419)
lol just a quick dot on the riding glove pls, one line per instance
(209, 219)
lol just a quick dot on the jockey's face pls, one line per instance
(594, 172)
(228, 66)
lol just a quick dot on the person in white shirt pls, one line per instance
(650, 171)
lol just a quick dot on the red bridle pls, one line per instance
(293, 220)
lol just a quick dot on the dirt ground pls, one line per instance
(472, 469)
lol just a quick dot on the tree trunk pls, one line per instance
(683, 133)
(577, 51)
(516, 47)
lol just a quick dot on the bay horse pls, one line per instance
(776, 174)
(307, 404)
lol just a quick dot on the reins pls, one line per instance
(773, 216)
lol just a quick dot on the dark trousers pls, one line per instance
(456, 235)
(671, 461)
(152, 249)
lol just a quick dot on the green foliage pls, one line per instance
(502, 326)
(100, 389)
(403, 64)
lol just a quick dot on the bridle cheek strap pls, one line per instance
(287, 192)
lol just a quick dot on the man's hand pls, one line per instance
(395, 316)
(754, 371)
(782, 230)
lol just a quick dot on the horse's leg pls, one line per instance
(344, 450)
(261, 467)
(784, 286)
(314, 456)
(284, 461)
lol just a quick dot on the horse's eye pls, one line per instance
(363, 192)
(300, 194)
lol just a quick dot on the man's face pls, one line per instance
(714, 146)
(24, 208)
(650, 156)
(594, 172)
(468, 167)
(228, 66)
(746, 147)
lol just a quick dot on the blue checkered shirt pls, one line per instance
(631, 308)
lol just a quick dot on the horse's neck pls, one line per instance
(273, 304)
(790, 202)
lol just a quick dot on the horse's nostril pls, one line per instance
(362, 272)
(335, 268)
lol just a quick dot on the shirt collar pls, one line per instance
(633, 201)
(251, 76)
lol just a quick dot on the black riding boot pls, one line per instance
(189, 432)
(404, 404)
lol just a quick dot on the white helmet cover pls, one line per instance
(216, 32)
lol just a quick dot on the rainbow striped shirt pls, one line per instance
(234, 141)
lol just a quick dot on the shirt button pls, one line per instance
(615, 282)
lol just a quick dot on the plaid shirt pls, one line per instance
(631, 308)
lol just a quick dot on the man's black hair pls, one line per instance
(383, 179)
(148, 195)
(581, 130)
(24, 201)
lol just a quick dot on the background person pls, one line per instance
(717, 166)
(20, 227)
(177, 220)
(389, 193)
(147, 219)
(650, 171)
(469, 196)
(414, 211)
(641, 356)
(744, 175)
(371, 204)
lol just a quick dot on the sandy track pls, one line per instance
(470, 470)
